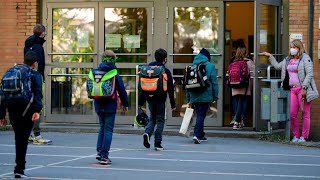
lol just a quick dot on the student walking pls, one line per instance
(157, 104)
(22, 114)
(201, 99)
(241, 96)
(35, 43)
(106, 109)
(297, 76)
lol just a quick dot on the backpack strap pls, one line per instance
(28, 106)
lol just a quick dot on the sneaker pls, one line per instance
(242, 123)
(301, 140)
(146, 140)
(196, 140)
(30, 139)
(203, 139)
(20, 176)
(98, 157)
(105, 161)
(158, 147)
(39, 140)
(294, 139)
(236, 126)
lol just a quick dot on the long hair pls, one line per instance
(241, 53)
(297, 43)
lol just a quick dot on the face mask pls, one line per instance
(293, 51)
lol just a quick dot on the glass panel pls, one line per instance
(126, 31)
(195, 28)
(72, 58)
(73, 32)
(130, 85)
(68, 93)
(131, 59)
(267, 31)
(181, 99)
(179, 93)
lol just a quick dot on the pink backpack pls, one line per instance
(238, 75)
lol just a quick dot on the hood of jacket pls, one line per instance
(156, 63)
(106, 66)
(30, 41)
(200, 58)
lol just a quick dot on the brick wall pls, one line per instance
(298, 23)
(17, 18)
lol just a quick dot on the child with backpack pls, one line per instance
(157, 100)
(106, 103)
(201, 98)
(21, 88)
(239, 81)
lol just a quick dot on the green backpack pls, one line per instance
(101, 84)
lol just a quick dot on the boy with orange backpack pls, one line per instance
(156, 96)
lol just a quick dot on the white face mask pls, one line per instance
(293, 51)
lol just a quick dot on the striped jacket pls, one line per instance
(305, 73)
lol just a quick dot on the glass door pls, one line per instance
(191, 27)
(126, 28)
(267, 38)
(72, 46)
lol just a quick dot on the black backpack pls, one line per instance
(195, 77)
(16, 87)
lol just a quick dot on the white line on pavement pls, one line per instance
(180, 151)
(190, 172)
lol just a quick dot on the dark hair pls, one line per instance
(30, 58)
(160, 55)
(38, 29)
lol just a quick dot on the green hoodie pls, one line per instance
(209, 94)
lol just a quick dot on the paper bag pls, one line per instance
(186, 122)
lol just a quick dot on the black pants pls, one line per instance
(22, 127)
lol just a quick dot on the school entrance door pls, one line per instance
(79, 32)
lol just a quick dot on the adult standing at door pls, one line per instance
(35, 43)
(297, 76)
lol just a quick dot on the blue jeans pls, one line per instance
(201, 112)
(106, 121)
(157, 113)
(240, 106)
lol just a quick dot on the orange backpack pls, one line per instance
(152, 79)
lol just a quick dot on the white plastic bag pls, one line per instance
(186, 122)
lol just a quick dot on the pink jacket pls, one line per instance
(243, 90)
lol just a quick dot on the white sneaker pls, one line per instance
(294, 139)
(39, 140)
(301, 140)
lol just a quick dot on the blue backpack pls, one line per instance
(16, 87)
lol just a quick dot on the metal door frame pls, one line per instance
(47, 8)
(257, 53)
(219, 66)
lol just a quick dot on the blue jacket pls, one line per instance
(162, 97)
(37, 105)
(209, 94)
(36, 44)
(110, 105)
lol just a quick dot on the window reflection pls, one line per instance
(126, 32)
(195, 28)
(73, 32)
(129, 80)
(68, 93)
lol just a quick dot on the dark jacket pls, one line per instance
(209, 94)
(35, 44)
(163, 96)
(110, 105)
(37, 105)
